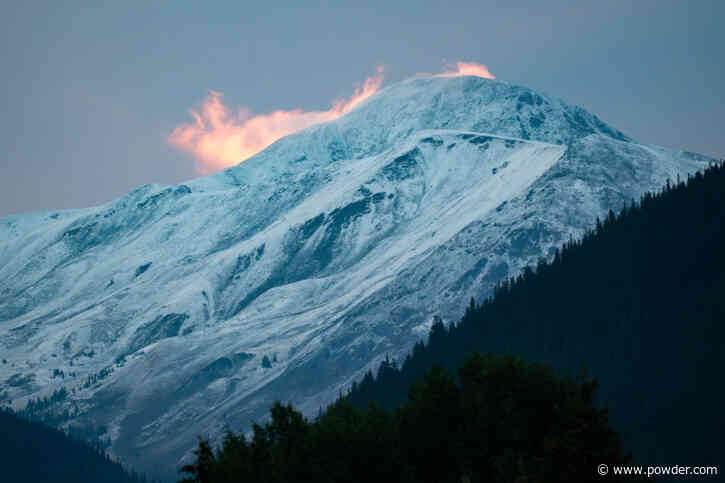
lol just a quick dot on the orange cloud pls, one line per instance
(466, 68)
(219, 138)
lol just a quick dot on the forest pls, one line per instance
(498, 419)
(35, 452)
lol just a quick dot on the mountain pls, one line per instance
(179, 311)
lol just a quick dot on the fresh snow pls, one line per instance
(327, 251)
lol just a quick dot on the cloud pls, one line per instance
(219, 138)
(468, 68)
(463, 68)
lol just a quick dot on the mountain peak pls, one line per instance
(465, 103)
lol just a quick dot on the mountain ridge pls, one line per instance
(322, 253)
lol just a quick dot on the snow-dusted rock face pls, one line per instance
(178, 311)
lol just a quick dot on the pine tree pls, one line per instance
(200, 471)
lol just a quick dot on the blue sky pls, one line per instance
(93, 89)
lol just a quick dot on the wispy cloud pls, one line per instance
(463, 68)
(219, 138)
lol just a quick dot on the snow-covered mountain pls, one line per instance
(178, 311)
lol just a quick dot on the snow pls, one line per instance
(332, 248)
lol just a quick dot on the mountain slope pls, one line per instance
(174, 311)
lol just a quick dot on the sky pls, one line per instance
(94, 91)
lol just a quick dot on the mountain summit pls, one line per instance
(179, 311)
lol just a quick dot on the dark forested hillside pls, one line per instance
(639, 303)
(32, 452)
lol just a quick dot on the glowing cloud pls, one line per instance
(467, 68)
(219, 138)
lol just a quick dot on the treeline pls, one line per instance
(499, 420)
(36, 453)
(639, 302)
